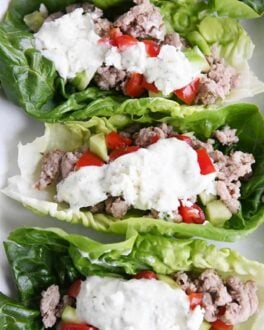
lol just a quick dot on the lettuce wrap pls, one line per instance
(246, 118)
(30, 80)
(41, 257)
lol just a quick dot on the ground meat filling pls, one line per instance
(142, 21)
(230, 300)
(149, 135)
(56, 165)
(174, 39)
(218, 81)
(230, 168)
(109, 77)
(50, 170)
(116, 206)
(48, 305)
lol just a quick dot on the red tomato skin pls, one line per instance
(192, 214)
(134, 85)
(196, 299)
(89, 159)
(124, 41)
(149, 86)
(152, 47)
(113, 34)
(188, 93)
(74, 289)
(75, 326)
(205, 163)
(220, 325)
(115, 140)
(122, 151)
(146, 274)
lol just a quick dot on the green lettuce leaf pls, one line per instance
(32, 82)
(71, 136)
(15, 316)
(138, 252)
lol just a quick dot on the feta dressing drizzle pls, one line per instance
(71, 43)
(117, 304)
(150, 178)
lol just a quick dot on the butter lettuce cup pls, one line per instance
(158, 172)
(60, 59)
(69, 281)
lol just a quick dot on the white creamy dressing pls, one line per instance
(156, 177)
(117, 304)
(71, 43)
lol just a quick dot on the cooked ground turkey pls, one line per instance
(174, 39)
(142, 21)
(218, 82)
(230, 168)
(48, 305)
(226, 136)
(116, 206)
(109, 77)
(239, 299)
(146, 136)
(56, 165)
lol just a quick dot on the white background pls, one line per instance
(16, 126)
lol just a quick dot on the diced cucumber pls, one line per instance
(206, 198)
(34, 20)
(217, 213)
(82, 80)
(168, 280)
(205, 326)
(69, 315)
(197, 59)
(98, 146)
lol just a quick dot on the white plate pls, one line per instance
(17, 126)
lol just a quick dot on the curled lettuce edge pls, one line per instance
(137, 252)
(71, 136)
(31, 81)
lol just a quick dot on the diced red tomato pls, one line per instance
(196, 299)
(115, 140)
(149, 86)
(188, 93)
(152, 47)
(124, 41)
(220, 325)
(75, 326)
(89, 159)
(74, 289)
(154, 138)
(192, 214)
(122, 151)
(147, 274)
(205, 163)
(113, 34)
(134, 87)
